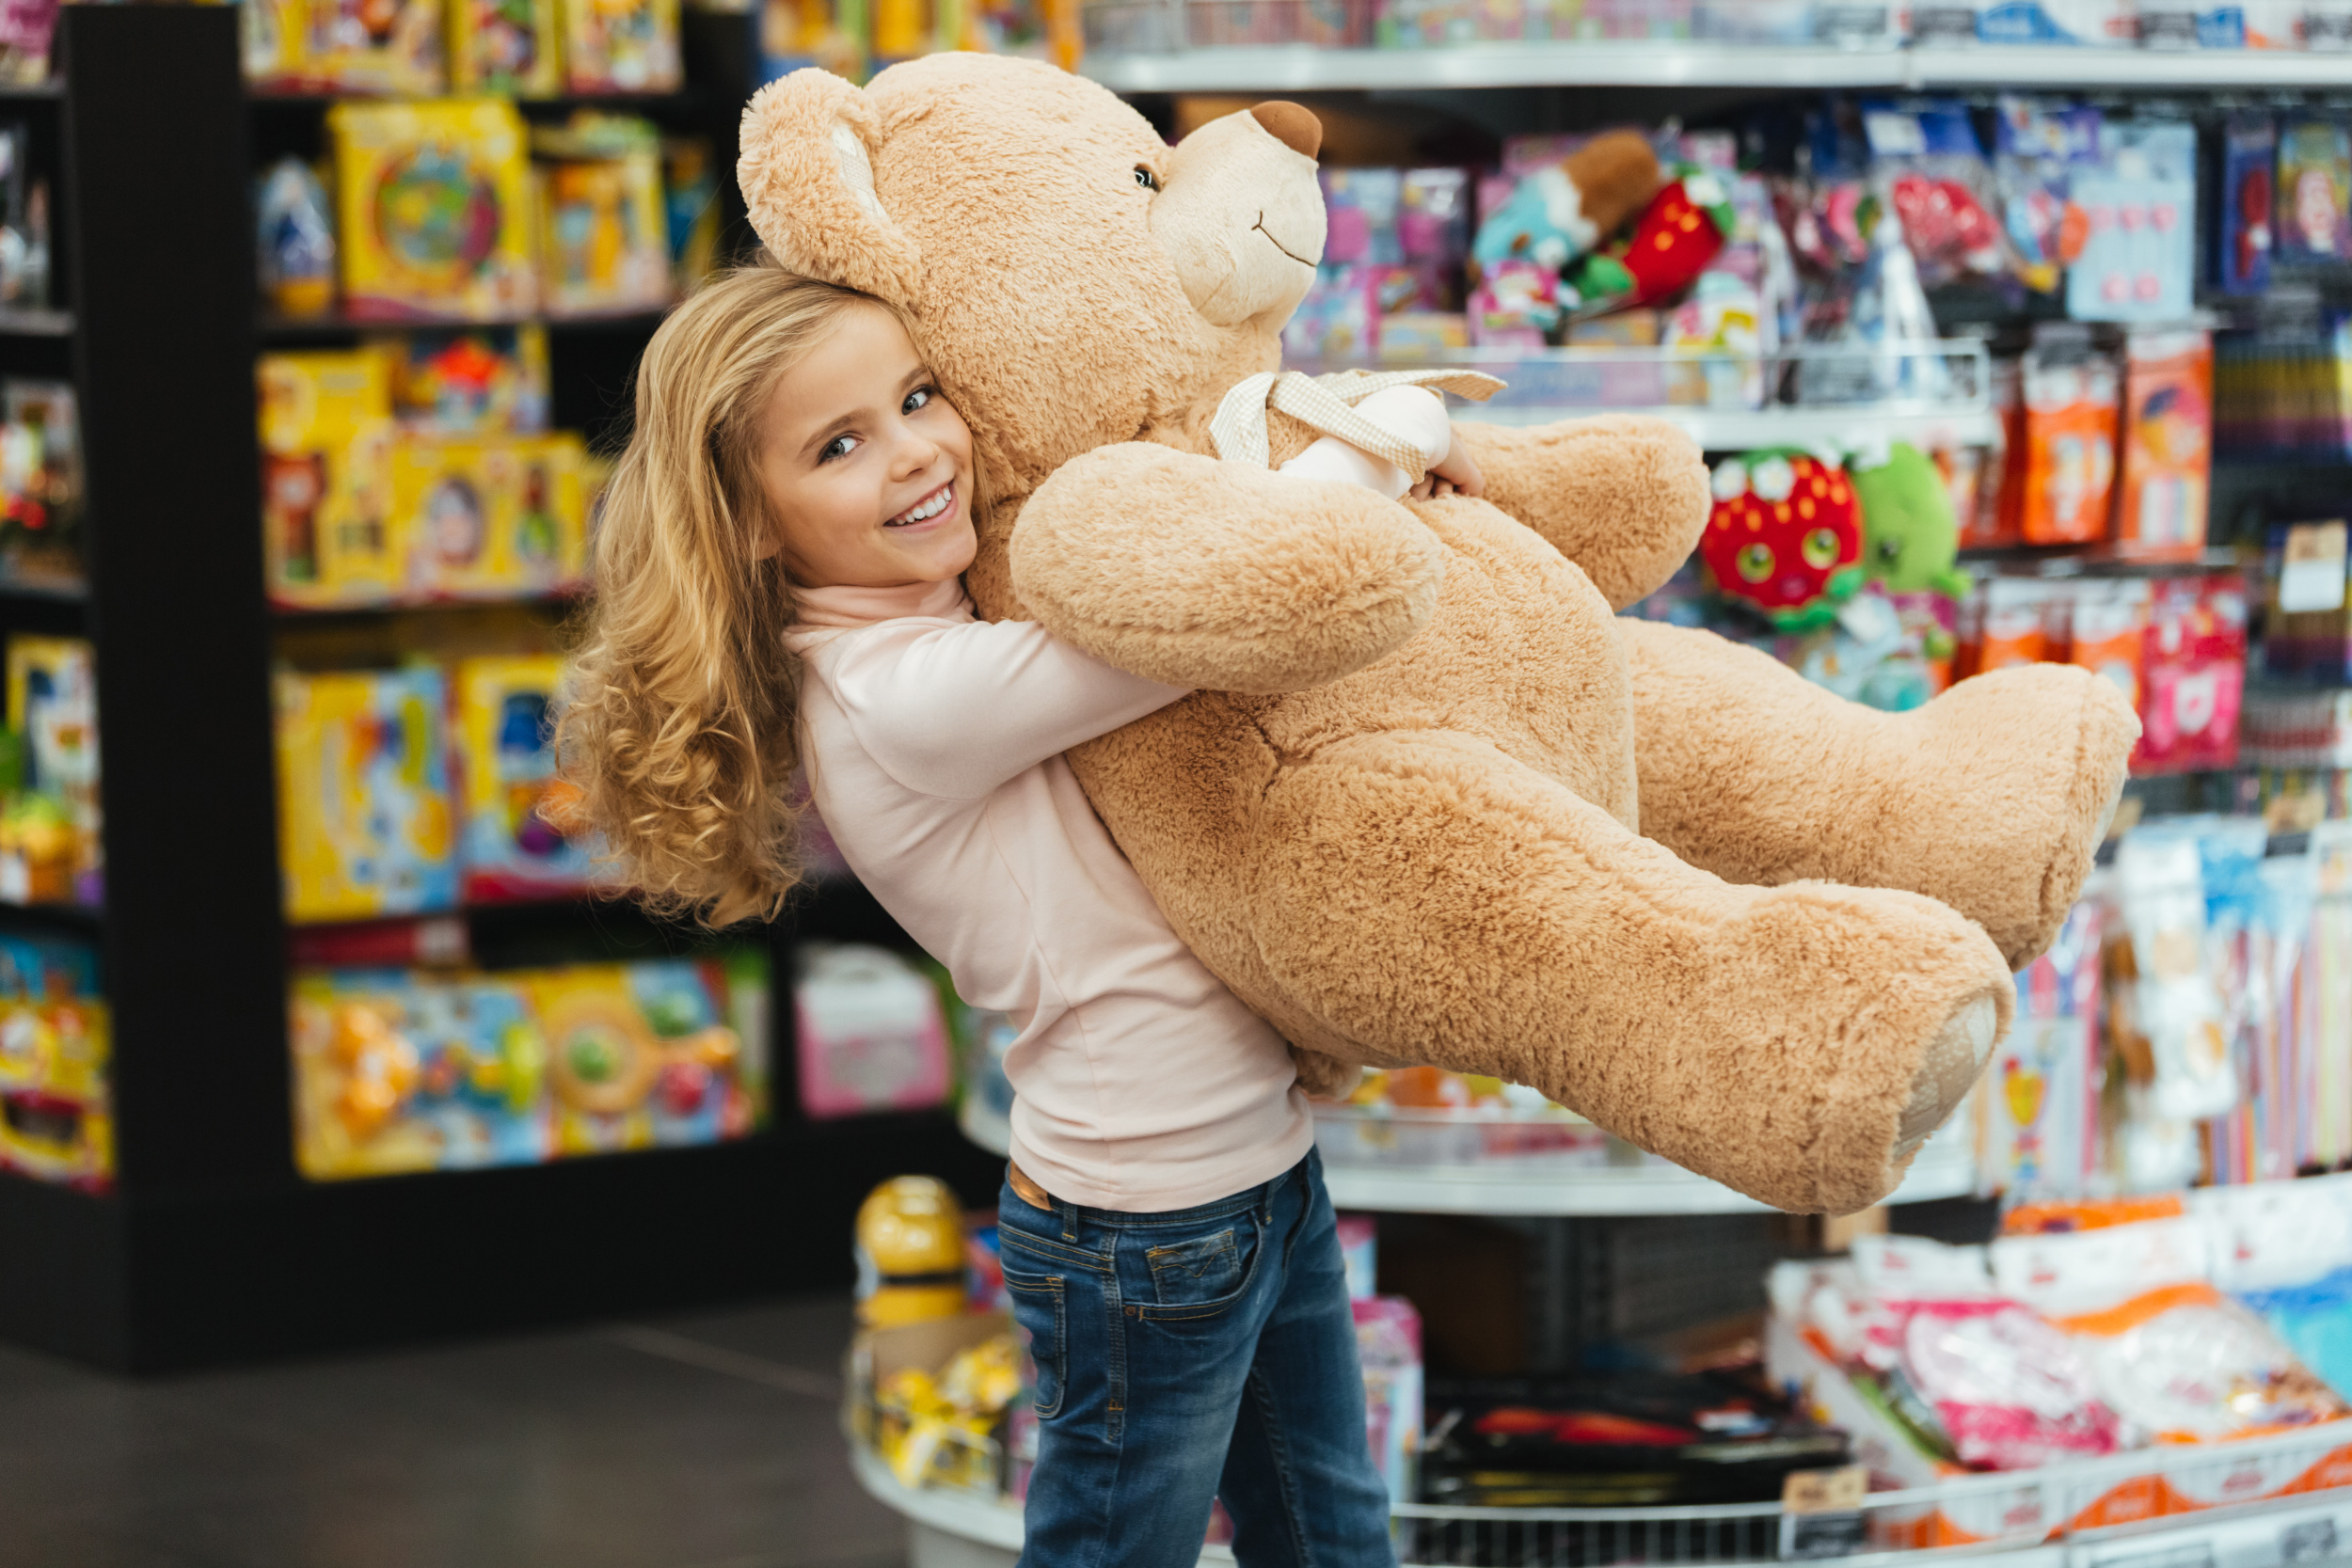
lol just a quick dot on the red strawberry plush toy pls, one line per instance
(1784, 537)
(1683, 228)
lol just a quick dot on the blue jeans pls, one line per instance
(1207, 1352)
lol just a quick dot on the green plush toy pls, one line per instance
(1911, 540)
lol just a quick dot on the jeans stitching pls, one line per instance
(1060, 1357)
(1285, 1478)
(1051, 1251)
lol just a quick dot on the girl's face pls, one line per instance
(868, 470)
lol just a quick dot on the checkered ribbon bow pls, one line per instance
(1327, 404)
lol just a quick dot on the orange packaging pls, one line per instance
(2070, 448)
(2109, 629)
(2001, 490)
(2168, 456)
(2016, 624)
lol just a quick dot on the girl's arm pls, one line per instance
(955, 711)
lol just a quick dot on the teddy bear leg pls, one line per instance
(1424, 897)
(1992, 799)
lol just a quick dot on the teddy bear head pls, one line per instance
(1071, 277)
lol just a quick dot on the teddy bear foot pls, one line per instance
(1955, 1059)
(2034, 760)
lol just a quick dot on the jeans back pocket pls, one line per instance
(1038, 1308)
(1206, 1269)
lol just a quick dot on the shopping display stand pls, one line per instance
(209, 1246)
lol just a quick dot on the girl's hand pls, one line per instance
(1455, 474)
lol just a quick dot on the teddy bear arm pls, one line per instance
(1622, 496)
(1219, 575)
(1992, 799)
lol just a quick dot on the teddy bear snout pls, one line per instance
(1239, 215)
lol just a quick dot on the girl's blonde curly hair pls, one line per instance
(677, 736)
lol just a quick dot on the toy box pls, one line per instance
(493, 518)
(621, 45)
(2168, 461)
(55, 1119)
(654, 1054)
(326, 434)
(491, 380)
(505, 717)
(40, 485)
(399, 1071)
(431, 202)
(50, 845)
(2140, 262)
(505, 46)
(364, 809)
(365, 46)
(872, 1037)
(603, 238)
(2314, 191)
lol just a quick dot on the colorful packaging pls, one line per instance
(1388, 1347)
(2167, 459)
(690, 196)
(2040, 150)
(2038, 1121)
(494, 519)
(2250, 153)
(2194, 674)
(604, 238)
(621, 45)
(2070, 397)
(1513, 305)
(2099, 23)
(1338, 320)
(433, 202)
(1432, 220)
(297, 241)
(506, 759)
(504, 46)
(326, 435)
(871, 1034)
(485, 381)
(2177, 1360)
(372, 46)
(2305, 631)
(653, 1054)
(51, 846)
(2139, 261)
(2108, 632)
(56, 1120)
(1361, 208)
(364, 808)
(2314, 190)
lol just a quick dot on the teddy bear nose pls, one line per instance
(1292, 124)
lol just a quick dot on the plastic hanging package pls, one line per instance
(2174, 1004)
(2173, 1357)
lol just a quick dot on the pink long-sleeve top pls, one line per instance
(933, 747)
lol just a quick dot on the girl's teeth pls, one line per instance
(929, 510)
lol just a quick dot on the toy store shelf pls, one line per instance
(1429, 1162)
(2099, 561)
(1744, 428)
(551, 101)
(277, 328)
(1946, 1168)
(1305, 68)
(36, 323)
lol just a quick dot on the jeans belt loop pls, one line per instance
(1069, 1219)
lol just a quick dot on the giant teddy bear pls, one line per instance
(1432, 800)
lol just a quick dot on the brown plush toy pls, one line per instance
(1434, 802)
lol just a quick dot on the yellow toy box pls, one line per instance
(603, 236)
(431, 200)
(55, 1119)
(621, 45)
(483, 380)
(364, 814)
(504, 46)
(496, 518)
(50, 845)
(653, 1054)
(326, 441)
(506, 706)
(367, 46)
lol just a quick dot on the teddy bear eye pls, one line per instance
(1145, 178)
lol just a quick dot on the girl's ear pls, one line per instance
(807, 174)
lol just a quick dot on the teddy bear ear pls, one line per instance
(807, 174)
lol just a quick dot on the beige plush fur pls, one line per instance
(1405, 818)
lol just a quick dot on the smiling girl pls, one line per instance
(779, 582)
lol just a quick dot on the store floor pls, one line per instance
(703, 1441)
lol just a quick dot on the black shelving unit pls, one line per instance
(211, 1247)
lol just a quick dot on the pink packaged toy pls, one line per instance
(871, 1034)
(2193, 675)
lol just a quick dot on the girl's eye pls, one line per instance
(1145, 178)
(919, 398)
(840, 445)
